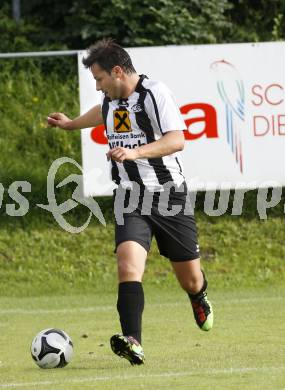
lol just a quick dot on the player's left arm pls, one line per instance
(171, 142)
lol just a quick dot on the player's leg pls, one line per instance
(193, 281)
(176, 236)
(133, 240)
(189, 275)
(131, 258)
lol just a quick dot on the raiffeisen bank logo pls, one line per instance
(231, 90)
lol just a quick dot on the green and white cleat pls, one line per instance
(203, 311)
(127, 347)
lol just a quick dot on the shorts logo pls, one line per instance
(137, 107)
(122, 123)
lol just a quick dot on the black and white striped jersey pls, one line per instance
(144, 117)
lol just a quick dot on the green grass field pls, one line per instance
(50, 278)
(35, 251)
(245, 349)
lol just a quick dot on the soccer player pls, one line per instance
(145, 134)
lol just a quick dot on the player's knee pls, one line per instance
(128, 271)
(131, 262)
(192, 284)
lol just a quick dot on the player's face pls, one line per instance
(110, 84)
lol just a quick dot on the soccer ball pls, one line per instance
(52, 348)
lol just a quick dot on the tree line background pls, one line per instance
(73, 24)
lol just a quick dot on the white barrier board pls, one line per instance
(232, 98)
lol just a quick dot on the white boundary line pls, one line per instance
(110, 307)
(145, 376)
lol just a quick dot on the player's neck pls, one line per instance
(130, 85)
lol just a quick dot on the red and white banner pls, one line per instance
(232, 98)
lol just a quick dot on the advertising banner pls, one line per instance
(232, 99)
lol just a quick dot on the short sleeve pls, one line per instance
(165, 109)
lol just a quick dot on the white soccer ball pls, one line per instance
(52, 348)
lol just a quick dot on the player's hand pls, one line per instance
(58, 119)
(121, 154)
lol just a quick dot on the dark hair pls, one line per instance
(107, 54)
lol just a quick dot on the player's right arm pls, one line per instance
(91, 118)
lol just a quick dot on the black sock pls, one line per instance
(130, 306)
(204, 288)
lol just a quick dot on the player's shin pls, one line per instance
(202, 308)
(130, 306)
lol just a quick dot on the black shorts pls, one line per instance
(176, 235)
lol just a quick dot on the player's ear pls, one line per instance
(117, 72)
